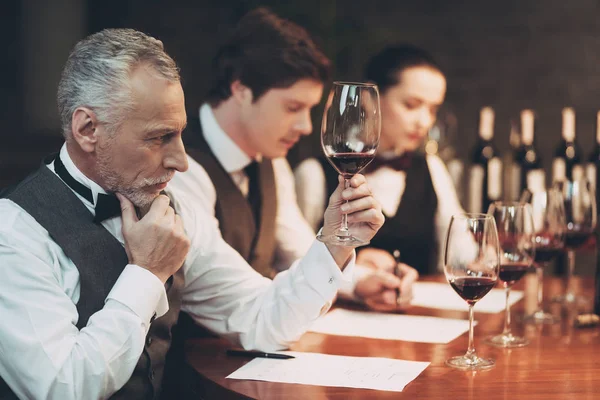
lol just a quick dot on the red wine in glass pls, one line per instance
(576, 237)
(349, 164)
(349, 137)
(511, 272)
(472, 289)
(546, 253)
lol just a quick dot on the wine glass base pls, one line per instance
(338, 240)
(541, 317)
(506, 341)
(571, 299)
(470, 363)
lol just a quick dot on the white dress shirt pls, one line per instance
(44, 356)
(387, 186)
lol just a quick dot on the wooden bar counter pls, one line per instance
(561, 361)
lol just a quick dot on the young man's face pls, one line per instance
(275, 122)
(143, 155)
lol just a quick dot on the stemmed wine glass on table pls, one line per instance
(548, 214)
(471, 266)
(517, 251)
(580, 218)
(349, 137)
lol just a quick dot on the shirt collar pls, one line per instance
(78, 175)
(229, 154)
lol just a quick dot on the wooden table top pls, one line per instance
(561, 361)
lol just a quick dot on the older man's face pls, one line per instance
(142, 156)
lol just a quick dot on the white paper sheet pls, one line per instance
(375, 325)
(339, 371)
(443, 297)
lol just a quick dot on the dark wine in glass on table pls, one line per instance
(349, 137)
(580, 218)
(471, 262)
(517, 251)
(472, 289)
(548, 215)
(349, 164)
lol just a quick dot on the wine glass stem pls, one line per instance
(569, 293)
(506, 331)
(471, 348)
(540, 278)
(343, 231)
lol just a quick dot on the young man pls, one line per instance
(91, 286)
(268, 77)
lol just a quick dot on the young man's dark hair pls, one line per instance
(263, 53)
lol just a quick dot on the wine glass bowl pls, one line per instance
(548, 215)
(517, 251)
(580, 224)
(471, 266)
(349, 137)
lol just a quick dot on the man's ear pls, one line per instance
(240, 92)
(83, 128)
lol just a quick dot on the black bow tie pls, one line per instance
(107, 205)
(398, 163)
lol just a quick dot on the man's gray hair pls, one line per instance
(98, 72)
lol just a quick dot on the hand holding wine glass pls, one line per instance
(517, 249)
(349, 137)
(471, 265)
(358, 207)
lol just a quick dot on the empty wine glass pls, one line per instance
(471, 265)
(580, 219)
(517, 250)
(349, 137)
(548, 214)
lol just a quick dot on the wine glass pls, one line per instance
(580, 218)
(517, 251)
(471, 265)
(549, 226)
(349, 137)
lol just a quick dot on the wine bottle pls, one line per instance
(512, 170)
(532, 175)
(485, 175)
(567, 158)
(594, 160)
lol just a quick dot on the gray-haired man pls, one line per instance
(91, 285)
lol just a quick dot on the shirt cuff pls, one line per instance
(347, 288)
(142, 292)
(322, 272)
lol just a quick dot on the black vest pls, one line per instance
(412, 229)
(233, 210)
(100, 258)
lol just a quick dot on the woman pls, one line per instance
(415, 190)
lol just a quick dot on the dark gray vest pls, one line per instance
(100, 259)
(233, 211)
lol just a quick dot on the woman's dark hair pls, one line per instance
(266, 52)
(385, 67)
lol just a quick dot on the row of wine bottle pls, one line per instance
(524, 166)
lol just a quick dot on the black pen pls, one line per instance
(254, 353)
(397, 272)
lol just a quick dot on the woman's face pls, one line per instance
(409, 108)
